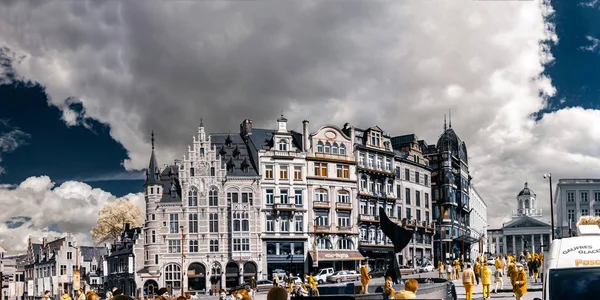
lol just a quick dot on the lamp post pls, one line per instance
(182, 257)
(76, 275)
(549, 176)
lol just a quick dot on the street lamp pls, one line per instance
(182, 257)
(76, 275)
(549, 176)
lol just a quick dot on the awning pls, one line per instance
(467, 239)
(326, 255)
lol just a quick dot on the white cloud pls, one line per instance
(11, 138)
(39, 205)
(591, 4)
(594, 42)
(139, 65)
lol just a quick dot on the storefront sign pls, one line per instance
(336, 255)
(587, 262)
(76, 280)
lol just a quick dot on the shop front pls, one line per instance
(378, 257)
(338, 260)
(286, 255)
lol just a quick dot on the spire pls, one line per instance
(201, 123)
(450, 118)
(445, 127)
(152, 172)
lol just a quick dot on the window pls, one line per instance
(343, 171)
(297, 173)
(345, 244)
(408, 213)
(193, 223)
(388, 164)
(283, 145)
(156, 259)
(571, 215)
(213, 222)
(284, 224)
(193, 197)
(426, 200)
(399, 212)
(214, 245)
(192, 172)
(173, 276)
(399, 191)
(570, 196)
(342, 149)
(378, 187)
(584, 212)
(426, 180)
(363, 234)
(283, 196)
(63, 270)
(241, 244)
(270, 224)
(379, 163)
(247, 197)
(320, 147)
(417, 198)
(407, 196)
(268, 172)
(193, 246)
(321, 169)
(597, 212)
(343, 197)
(363, 182)
(173, 223)
(269, 196)
(596, 196)
(299, 224)
(327, 147)
(344, 221)
(390, 187)
(69, 255)
(407, 174)
(371, 159)
(417, 177)
(298, 197)
(418, 214)
(375, 138)
(321, 195)
(174, 246)
(323, 244)
(361, 159)
(322, 220)
(153, 236)
(283, 172)
(372, 185)
(213, 197)
(584, 197)
(212, 171)
(334, 148)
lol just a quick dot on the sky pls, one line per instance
(82, 85)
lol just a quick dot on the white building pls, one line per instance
(281, 162)
(211, 201)
(575, 198)
(526, 231)
(12, 271)
(332, 197)
(413, 188)
(479, 222)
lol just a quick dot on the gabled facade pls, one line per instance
(119, 264)
(13, 273)
(375, 168)
(413, 189)
(281, 164)
(205, 208)
(332, 197)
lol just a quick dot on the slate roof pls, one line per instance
(237, 155)
(169, 179)
(263, 138)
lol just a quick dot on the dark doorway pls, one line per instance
(249, 271)
(196, 277)
(232, 275)
(150, 287)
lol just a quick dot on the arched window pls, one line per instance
(245, 225)
(363, 182)
(213, 197)
(334, 148)
(320, 147)
(192, 172)
(345, 244)
(323, 243)
(283, 146)
(173, 276)
(379, 236)
(390, 187)
(327, 147)
(321, 195)
(193, 197)
(212, 171)
(371, 237)
(363, 234)
(343, 197)
(342, 149)
(236, 225)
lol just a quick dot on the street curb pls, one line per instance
(528, 290)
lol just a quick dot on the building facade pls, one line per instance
(448, 159)
(119, 263)
(332, 198)
(202, 216)
(479, 222)
(50, 265)
(526, 231)
(376, 176)
(575, 198)
(13, 275)
(413, 189)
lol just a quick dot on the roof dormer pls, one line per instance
(282, 124)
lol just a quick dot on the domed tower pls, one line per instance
(153, 190)
(527, 203)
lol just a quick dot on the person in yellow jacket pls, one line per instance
(486, 280)
(291, 286)
(313, 285)
(65, 296)
(512, 273)
(388, 289)
(409, 291)
(498, 264)
(364, 277)
(520, 286)
(456, 269)
(468, 279)
(477, 271)
(441, 269)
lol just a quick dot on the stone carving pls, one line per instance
(400, 237)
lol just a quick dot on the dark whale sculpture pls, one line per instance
(400, 237)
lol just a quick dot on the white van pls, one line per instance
(322, 274)
(572, 270)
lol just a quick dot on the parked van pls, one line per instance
(572, 270)
(322, 274)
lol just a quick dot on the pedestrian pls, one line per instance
(65, 295)
(535, 266)
(441, 269)
(520, 285)
(498, 279)
(477, 271)
(80, 294)
(457, 269)
(486, 281)
(409, 291)
(275, 280)
(364, 277)
(277, 293)
(253, 286)
(388, 289)
(449, 271)
(47, 295)
(468, 279)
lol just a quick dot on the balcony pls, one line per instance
(368, 218)
(343, 206)
(241, 256)
(284, 206)
(344, 229)
(321, 204)
(334, 157)
(323, 228)
(287, 154)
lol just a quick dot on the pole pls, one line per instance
(182, 256)
(551, 206)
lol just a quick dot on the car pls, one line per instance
(322, 275)
(426, 267)
(340, 276)
(264, 285)
(491, 261)
(406, 270)
(376, 273)
(279, 272)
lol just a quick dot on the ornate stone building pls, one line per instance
(413, 187)
(207, 208)
(332, 197)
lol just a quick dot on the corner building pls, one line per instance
(206, 207)
(450, 189)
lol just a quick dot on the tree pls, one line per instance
(112, 218)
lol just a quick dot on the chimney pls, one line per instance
(246, 128)
(305, 136)
(127, 227)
